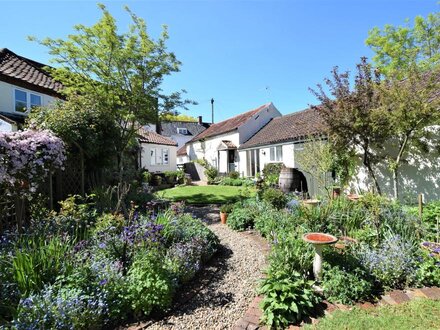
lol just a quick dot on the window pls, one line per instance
(165, 156)
(253, 162)
(276, 154)
(159, 156)
(24, 100)
(182, 131)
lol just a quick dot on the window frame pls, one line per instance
(28, 94)
(276, 153)
(182, 131)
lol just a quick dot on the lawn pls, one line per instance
(204, 194)
(418, 314)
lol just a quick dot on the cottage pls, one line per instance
(157, 152)
(219, 144)
(279, 141)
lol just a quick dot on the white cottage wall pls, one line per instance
(158, 166)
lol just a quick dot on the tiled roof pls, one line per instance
(169, 128)
(229, 144)
(152, 137)
(228, 124)
(287, 128)
(18, 69)
(182, 151)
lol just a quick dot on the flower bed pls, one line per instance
(383, 252)
(83, 271)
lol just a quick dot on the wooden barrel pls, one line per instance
(291, 179)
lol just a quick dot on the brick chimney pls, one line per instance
(200, 120)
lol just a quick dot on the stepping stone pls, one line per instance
(431, 293)
(399, 297)
(387, 300)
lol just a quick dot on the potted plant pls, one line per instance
(224, 210)
(336, 191)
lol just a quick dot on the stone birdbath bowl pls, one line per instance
(318, 240)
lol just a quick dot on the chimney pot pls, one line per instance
(200, 120)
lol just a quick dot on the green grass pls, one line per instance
(204, 194)
(417, 314)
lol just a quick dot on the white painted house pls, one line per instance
(283, 138)
(219, 144)
(157, 153)
(23, 84)
(279, 142)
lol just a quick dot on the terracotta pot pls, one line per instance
(223, 217)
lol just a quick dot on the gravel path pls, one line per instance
(223, 290)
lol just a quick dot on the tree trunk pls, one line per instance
(367, 164)
(395, 183)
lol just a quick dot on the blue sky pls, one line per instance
(241, 53)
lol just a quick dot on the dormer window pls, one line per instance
(182, 131)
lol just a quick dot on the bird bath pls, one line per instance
(318, 240)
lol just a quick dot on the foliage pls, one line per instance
(174, 176)
(185, 228)
(291, 254)
(148, 284)
(411, 108)
(211, 173)
(147, 177)
(428, 270)
(288, 297)
(236, 182)
(82, 125)
(121, 72)
(234, 175)
(241, 219)
(316, 158)
(271, 173)
(26, 158)
(226, 208)
(349, 113)
(392, 264)
(62, 309)
(183, 258)
(398, 48)
(179, 117)
(275, 197)
(346, 287)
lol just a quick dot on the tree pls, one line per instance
(178, 117)
(316, 158)
(121, 72)
(351, 117)
(412, 108)
(398, 48)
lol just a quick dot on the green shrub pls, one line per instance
(271, 173)
(291, 254)
(288, 298)
(147, 177)
(226, 208)
(149, 284)
(211, 173)
(174, 176)
(345, 286)
(275, 197)
(241, 218)
(428, 270)
(157, 180)
(185, 228)
(234, 175)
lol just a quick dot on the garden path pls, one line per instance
(225, 287)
